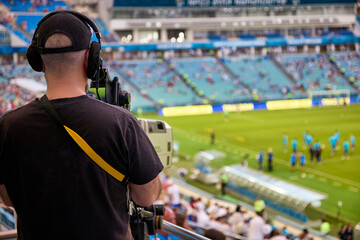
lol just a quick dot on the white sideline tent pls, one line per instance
(273, 188)
(30, 85)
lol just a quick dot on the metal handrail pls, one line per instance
(227, 234)
(166, 226)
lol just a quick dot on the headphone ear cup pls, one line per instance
(34, 57)
(94, 60)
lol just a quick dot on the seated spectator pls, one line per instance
(214, 234)
(304, 235)
(181, 221)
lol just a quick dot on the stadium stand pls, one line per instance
(157, 81)
(348, 63)
(313, 71)
(35, 6)
(266, 80)
(211, 79)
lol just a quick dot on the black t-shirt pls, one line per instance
(58, 192)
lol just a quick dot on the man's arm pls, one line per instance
(146, 194)
(5, 196)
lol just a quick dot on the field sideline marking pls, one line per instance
(248, 118)
(279, 160)
(353, 189)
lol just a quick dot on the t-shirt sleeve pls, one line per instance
(144, 163)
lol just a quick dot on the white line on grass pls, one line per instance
(279, 160)
(337, 184)
(353, 189)
(293, 177)
(253, 119)
(321, 179)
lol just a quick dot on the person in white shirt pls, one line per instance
(236, 220)
(256, 227)
(174, 194)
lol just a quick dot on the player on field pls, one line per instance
(352, 142)
(318, 150)
(308, 140)
(333, 144)
(305, 136)
(312, 152)
(337, 136)
(260, 159)
(302, 161)
(285, 142)
(346, 146)
(294, 145)
(293, 161)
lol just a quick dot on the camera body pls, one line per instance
(158, 131)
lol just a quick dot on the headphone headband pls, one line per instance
(82, 17)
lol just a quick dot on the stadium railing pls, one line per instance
(168, 227)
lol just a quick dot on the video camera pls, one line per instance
(143, 221)
(158, 131)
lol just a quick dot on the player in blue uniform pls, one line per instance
(260, 159)
(285, 142)
(352, 142)
(337, 136)
(305, 136)
(294, 145)
(346, 150)
(308, 140)
(293, 161)
(302, 161)
(333, 141)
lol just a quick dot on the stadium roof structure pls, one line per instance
(274, 189)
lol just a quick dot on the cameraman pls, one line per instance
(56, 189)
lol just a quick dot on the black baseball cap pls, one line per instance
(68, 24)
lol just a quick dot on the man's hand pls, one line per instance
(146, 194)
(5, 196)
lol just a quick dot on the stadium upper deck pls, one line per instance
(190, 20)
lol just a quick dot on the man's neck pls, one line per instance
(64, 88)
(64, 92)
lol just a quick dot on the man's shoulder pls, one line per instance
(18, 113)
(103, 106)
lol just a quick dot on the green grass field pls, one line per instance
(250, 132)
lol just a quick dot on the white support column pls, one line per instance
(189, 35)
(15, 58)
(136, 35)
(252, 51)
(332, 47)
(306, 48)
(163, 35)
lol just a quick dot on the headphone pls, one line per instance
(94, 61)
